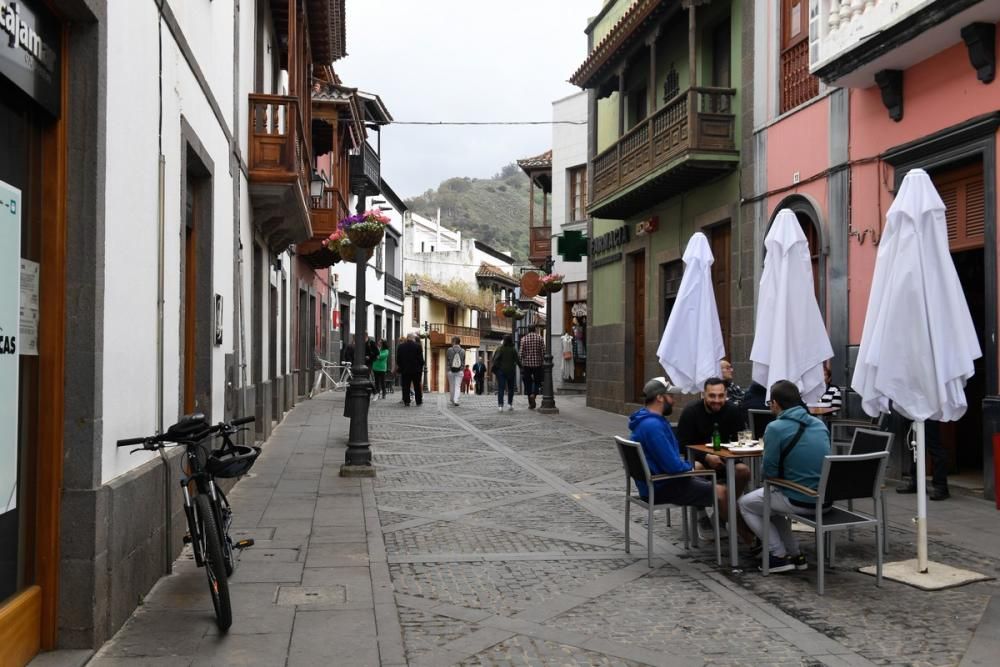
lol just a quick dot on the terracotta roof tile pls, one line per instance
(491, 271)
(537, 162)
(620, 35)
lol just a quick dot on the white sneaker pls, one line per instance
(510, 408)
(500, 409)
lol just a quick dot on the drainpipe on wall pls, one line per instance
(161, 235)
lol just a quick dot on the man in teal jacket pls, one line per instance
(795, 445)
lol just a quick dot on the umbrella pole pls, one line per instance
(918, 429)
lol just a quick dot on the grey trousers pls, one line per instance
(781, 539)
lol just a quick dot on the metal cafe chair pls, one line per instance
(870, 441)
(636, 469)
(759, 419)
(844, 477)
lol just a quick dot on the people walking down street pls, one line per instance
(734, 392)
(532, 350)
(650, 428)
(409, 365)
(379, 368)
(698, 422)
(466, 379)
(455, 359)
(505, 363)
(795, 445)
(479, 373)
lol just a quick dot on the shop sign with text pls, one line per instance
(29, 50)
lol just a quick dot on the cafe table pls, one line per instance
(731, 455)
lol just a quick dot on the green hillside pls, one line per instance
(492, 210)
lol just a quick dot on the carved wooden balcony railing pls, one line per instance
(279, 167)
(393, 287)
(441, 335)
(327, 210)
(696, 124)
(491, 324)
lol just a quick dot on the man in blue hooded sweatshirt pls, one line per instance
(651, 429)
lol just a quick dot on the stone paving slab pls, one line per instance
(497, 539)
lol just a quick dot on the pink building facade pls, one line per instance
(838, 121)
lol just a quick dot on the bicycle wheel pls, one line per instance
(215, 564)
(222, 514)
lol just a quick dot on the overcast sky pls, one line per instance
(463, 60)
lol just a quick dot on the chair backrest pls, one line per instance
(852, 476)
(633, 459)
(759, 419)
(868, 441)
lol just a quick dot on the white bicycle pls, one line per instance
(338, 375)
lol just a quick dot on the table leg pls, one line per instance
(731, 496)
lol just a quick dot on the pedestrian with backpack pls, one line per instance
(456, 367)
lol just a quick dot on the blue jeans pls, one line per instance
(507, 382)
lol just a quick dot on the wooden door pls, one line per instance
(961, 189)
(797, 84)
(720, 239)
(639, 324)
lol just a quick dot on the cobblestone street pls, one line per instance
(497, 539)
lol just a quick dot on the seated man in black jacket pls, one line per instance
(695, 427)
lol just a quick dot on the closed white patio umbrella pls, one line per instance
(691, 346)
(790, 339)
(919, 343)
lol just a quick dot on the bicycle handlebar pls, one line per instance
(131, 441)
(147, 442)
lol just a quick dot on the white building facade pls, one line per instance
(569, 213)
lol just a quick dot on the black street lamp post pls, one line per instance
(358, 460)
(548, 406)
(427, 335)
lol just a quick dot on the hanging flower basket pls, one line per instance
(518, 315)
(511, 311)
(551, 283)
(352, 253)
(365, 230)
(326, 256)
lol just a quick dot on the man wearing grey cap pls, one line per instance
(651, 429)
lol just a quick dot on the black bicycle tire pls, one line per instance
(218, 582)
(228, 554)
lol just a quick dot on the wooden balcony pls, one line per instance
(493, 326)
(279, 169)
(687, 143)
(326, 211)
(441, 335)
(366, 172)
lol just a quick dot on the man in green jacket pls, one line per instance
(795, 445)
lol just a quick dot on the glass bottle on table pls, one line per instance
(716, 438)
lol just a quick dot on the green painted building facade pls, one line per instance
(667, 116)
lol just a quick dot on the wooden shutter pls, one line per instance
(963, 193)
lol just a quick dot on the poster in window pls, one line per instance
(10, 328)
